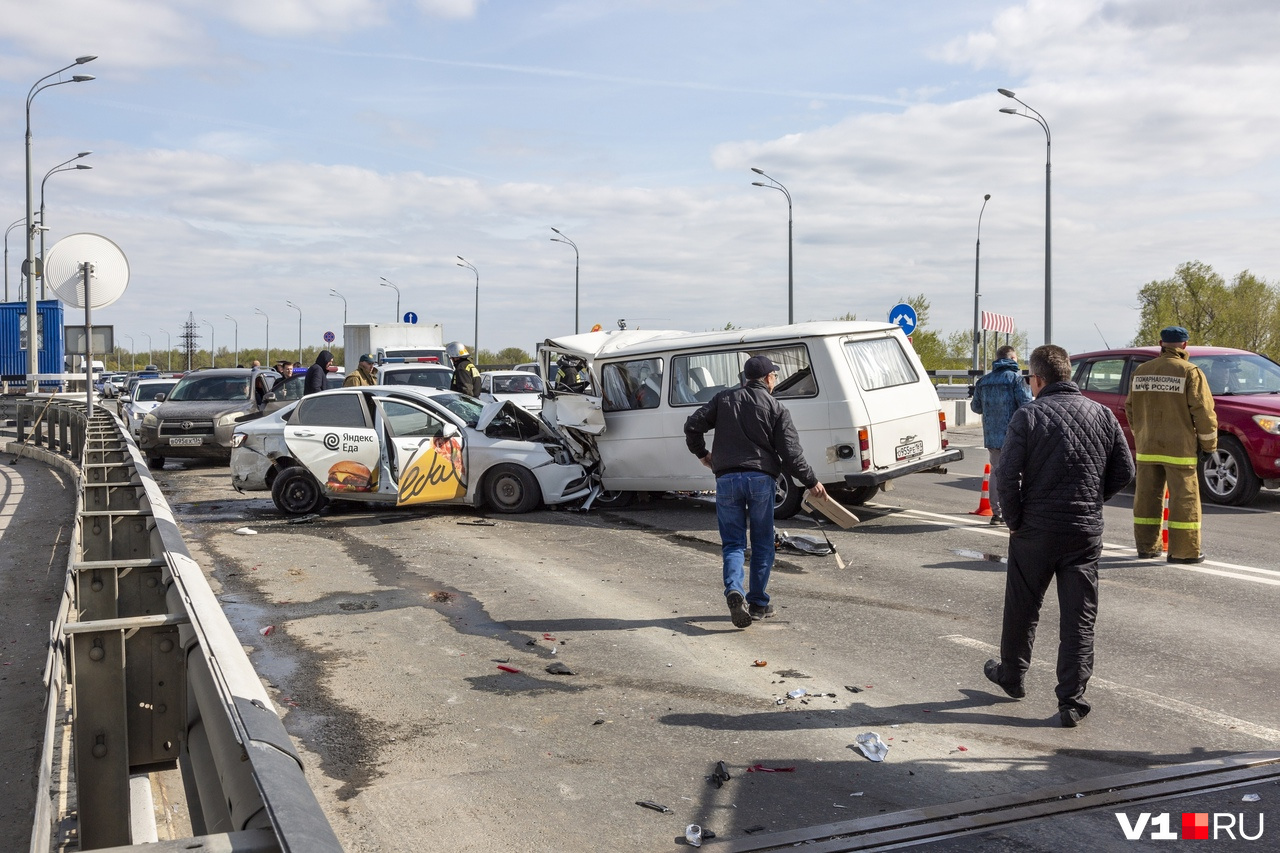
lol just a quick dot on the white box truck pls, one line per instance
(393, 340)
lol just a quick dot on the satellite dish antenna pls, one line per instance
(108, 274)
(87, 271)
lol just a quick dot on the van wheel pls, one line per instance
(296, 492)
(614, 500)
(1226, 477)
(155, 463)
(786, 498)
(511, 488)
(857, 495)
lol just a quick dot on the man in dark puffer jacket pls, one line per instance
(1063, 457)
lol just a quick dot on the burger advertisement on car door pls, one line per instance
(435, 472)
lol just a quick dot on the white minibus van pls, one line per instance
(862, 404)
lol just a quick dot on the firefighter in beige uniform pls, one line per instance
(1170, 411)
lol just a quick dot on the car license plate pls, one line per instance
(186, 441)
(909, 451)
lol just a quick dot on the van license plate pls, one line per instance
(190, 441)
(909, 451)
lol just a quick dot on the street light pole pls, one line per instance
(213, 351)
(61, 167)
(237, 339)
(577, 265)
(268, 319)
(299, 310)
(386, 283)
(333, 292)
(133, 362)
(148, 337)
(33, 320)
(475, 335)
(1048, 263)
(775, 185)
(15, 224)
(977, 253)
(169, 343)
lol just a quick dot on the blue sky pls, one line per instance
(249, 153)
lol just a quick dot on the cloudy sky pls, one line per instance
(251, 153)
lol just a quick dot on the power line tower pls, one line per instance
(190, 338)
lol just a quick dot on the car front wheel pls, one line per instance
(155, 463)
(296, 492)
(1226, 477)
(510, 488)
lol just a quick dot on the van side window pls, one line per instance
(632, 384)
(698, 378)
(880, 363)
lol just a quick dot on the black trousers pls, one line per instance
(1037, 557)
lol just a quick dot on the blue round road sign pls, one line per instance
(328, 337)
(904, 316)
(410, 317)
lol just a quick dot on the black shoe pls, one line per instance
(768, 611)
(1187, 560)
(738, 610)
(997, 521)
(1148, 555)
(992, 669)
(1070, 718)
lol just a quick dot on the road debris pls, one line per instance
(506, 668)
(760, 768)
(871, 746)
(303, 519)
(852, 689)
(693, 835)
(266, 632)
(559, 668)
(1250, 798)
(479, 522)
(246, 531)
(657, 807)
(720, 775)
(760, 663)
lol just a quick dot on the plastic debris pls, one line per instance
(720, 775)
(852, 689)
(598, 723)
(506, 668)
(693, 834)
(266, 632)
(657, 807)
(802, 543)
(871, 746)
(857, 793)
(303, 519)
(962, 748)
(757, 828)
(781, 701)
(558, 668)
(797, 693)
(760, 768)
(760, 663)
(838, 806)
(1250, 798)
(246, 531)
(479, 522)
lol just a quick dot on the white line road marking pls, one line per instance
(1208, 567)
(1204, 715)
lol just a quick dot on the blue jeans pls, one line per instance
(744, 498)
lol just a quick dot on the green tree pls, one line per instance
(1250, 317)
(1193, 298)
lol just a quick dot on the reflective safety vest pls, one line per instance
(1170, 410)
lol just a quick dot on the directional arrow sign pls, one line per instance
(904, 316)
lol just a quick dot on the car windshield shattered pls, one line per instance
(1239, 374)
(193, 389)
(467, 408)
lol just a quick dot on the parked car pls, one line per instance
(423, 375)
(1246, 397)
(147, 394)
(197, 417)
(404, 445)
(520, 387)
(294, 388)
(109, 384)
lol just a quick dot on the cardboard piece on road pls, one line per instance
(832, 510)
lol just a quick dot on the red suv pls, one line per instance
(1246, 397)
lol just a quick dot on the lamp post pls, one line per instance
(15, 224)
(268, 319)
(168, 339)
(577, 266)
(61, 167)
(33, 321)
(977, 253)
(333, 292)
(1048, 263)
(386, 283)
(475, 335)
(133, 364)
(237, 339)
(213, 352)
(299, 310)
(148, 337)
(775, 185)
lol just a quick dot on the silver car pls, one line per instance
(146, 395)
(404, 445)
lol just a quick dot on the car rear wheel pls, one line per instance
(296, 492)
(510, 488)
(787, 497)
(1226, 477)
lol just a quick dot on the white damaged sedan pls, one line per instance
(404, 445)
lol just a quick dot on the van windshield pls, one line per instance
(880, 363)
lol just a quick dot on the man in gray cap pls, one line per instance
(755, 442)
(1170, 411)
(363, 374)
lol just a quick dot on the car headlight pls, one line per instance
(1269, 423)
(237, 439)
(228, 419)
(150, 420)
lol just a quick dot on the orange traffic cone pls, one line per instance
(1164, 522)
(984, 504)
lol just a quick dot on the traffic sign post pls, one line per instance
(410, 317)
(904, 316)
(329, 337)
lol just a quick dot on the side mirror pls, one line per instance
(124, 398)
(160, 398)
(270, 397)
(449, 431)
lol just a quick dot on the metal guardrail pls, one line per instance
(157, 677)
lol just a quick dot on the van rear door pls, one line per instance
(901, 402)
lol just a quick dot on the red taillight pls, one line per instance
(864, 447)
(942, 428)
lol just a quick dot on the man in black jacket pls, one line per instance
(755, 442)
(317, 373)
(1063, 456)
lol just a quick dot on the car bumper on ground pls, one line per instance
(875, 478)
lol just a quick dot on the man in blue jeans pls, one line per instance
(755, 441)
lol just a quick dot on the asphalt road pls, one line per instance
(388, 629)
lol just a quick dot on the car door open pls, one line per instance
(427, 454)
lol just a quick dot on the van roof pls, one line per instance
(597, 344)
